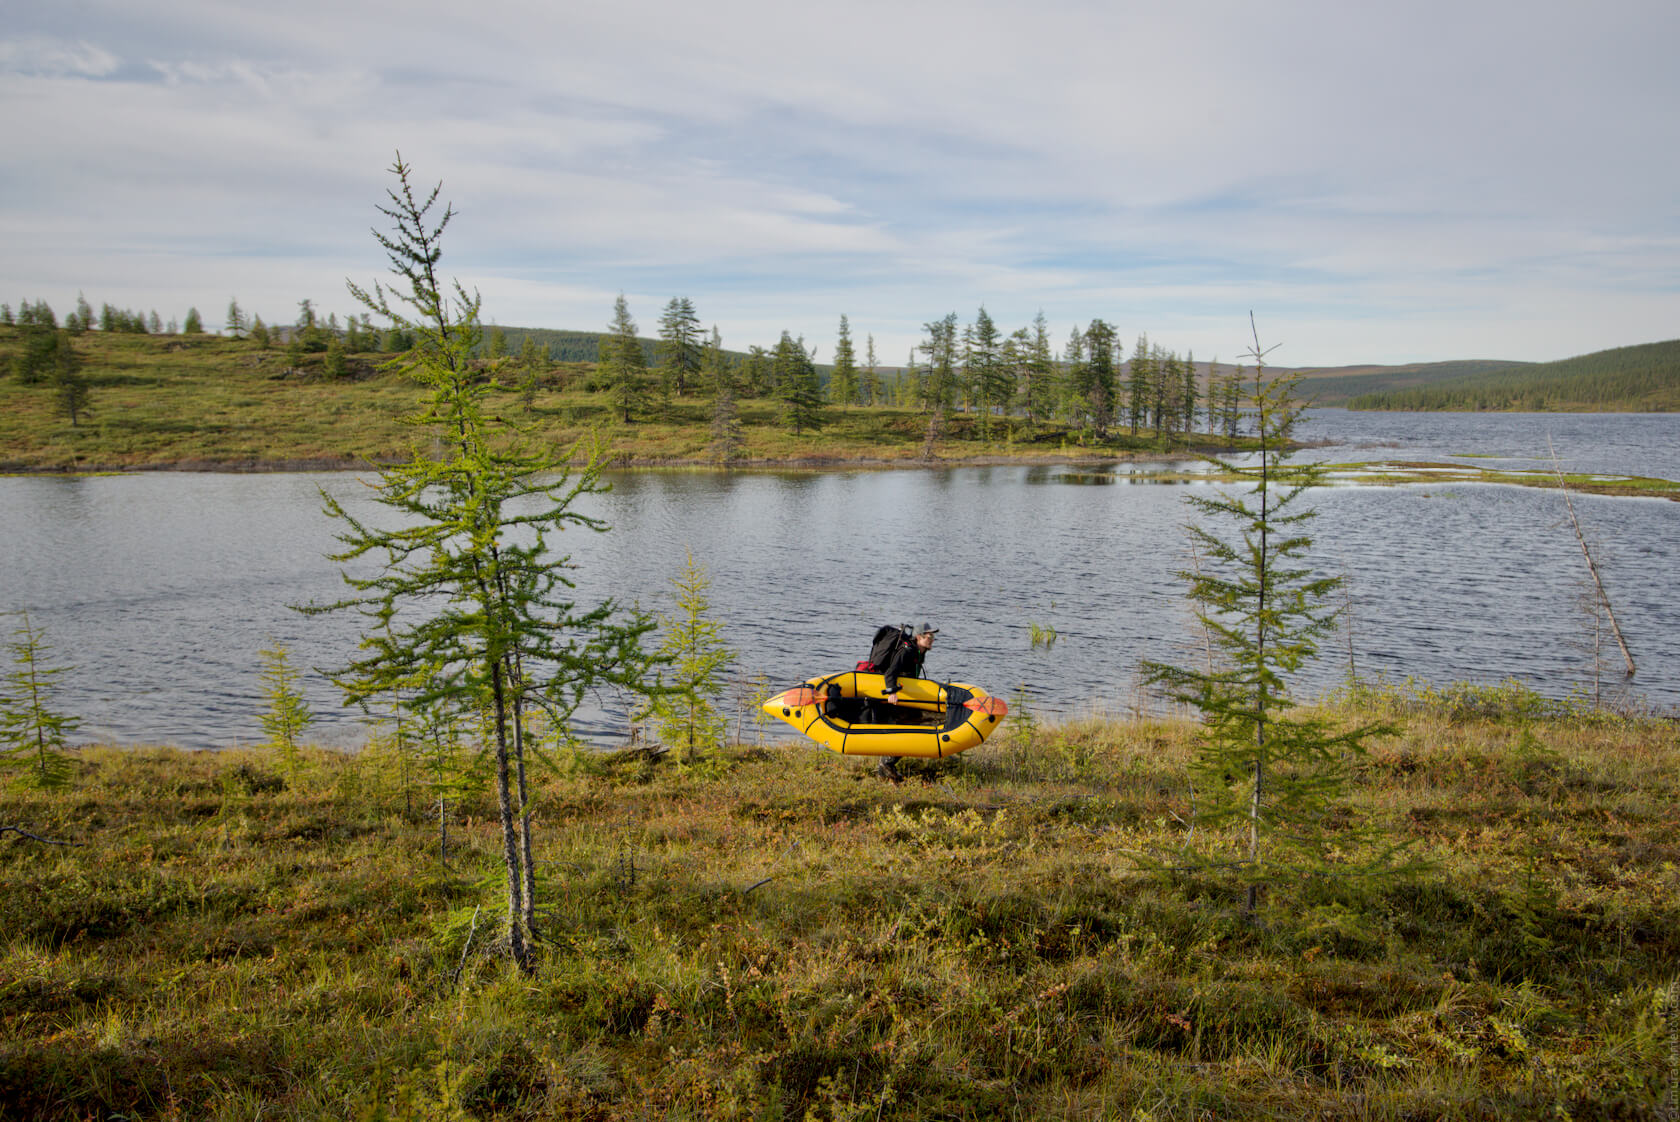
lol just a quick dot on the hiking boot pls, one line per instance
(888, 769)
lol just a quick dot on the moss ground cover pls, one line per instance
(774, 933)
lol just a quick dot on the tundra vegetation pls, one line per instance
(780, 936)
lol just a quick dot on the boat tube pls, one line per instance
(931, 719)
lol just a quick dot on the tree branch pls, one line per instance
(36, 837)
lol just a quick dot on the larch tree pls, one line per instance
(1265, 776)
(469, 612)
(32, 730)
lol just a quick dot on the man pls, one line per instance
(904, 662)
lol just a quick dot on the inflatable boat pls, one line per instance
(845, 713)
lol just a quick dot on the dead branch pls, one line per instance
(21, 832)
(1592, 566)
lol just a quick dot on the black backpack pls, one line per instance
(887, 640)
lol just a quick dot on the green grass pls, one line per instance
(778, 934)
(1390, 473)
(211, 402)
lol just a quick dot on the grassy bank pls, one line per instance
(210, 402)
(777, 934)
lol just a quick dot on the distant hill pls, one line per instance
(1643, 378)
(1336, 385)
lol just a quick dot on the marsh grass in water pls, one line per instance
(799, 939)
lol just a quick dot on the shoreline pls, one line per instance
(797, 463)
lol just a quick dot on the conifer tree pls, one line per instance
(1099, 381)
(194, 324)
(623, 362)
(678, 349)
(993, 384)
(727, 440)
(1262, 768)
(84, 311)
(1140, 382)
(687, 712)
(32, 730)
(801, 391)
(1038, 371)
(1188, 395)
(938, 378)
(68, 380)
(259, 332)
(287, 714)
(843, 380)
(869, 387)
(235, 320)
(468, 609)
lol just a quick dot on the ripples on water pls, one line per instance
(161, 588)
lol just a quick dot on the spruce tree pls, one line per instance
(194, 324)
(993, 384)
(800, 388)
(843, 379)
(728, 443)
(623, 363)
(1038, 372)
(1140, 380)
(1100, 377)
(869, 386)
(678, 349)
(468, 610)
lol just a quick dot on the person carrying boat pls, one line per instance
(904, 661)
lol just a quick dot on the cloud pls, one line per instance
(1403, 177)
(49, 56)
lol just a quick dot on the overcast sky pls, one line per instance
(1385, 183)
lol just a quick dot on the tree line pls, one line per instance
(1646, 377)
(996, 378)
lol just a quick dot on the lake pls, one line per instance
(161, 588)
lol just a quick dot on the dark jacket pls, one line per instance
(906, 662)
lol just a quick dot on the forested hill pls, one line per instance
(1643, 378)
(1340, 384)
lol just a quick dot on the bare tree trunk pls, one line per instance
(510, 841)
(1592, 566)
(530, 867)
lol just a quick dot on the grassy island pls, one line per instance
(774, 933)
(208, 402)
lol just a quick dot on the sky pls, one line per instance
(1375, 183)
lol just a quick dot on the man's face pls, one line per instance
(924, 640)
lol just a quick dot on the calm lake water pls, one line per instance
(161, 588)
